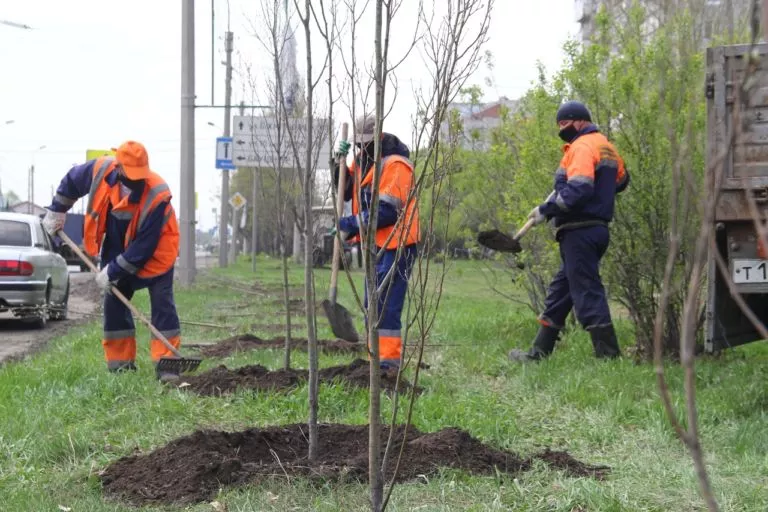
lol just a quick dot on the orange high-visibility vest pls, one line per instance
(395, 187)
(102, 195)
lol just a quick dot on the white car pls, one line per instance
(34, 280)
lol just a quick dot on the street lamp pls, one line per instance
(15, 25)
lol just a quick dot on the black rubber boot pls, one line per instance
(543, 345)
(604, 342)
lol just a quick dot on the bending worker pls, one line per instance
(130, 221)
(590, 175)
(397, 226)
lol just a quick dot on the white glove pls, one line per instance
(537, 216)
(102, 280)
(53, 222)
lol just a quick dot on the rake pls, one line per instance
(178, 364)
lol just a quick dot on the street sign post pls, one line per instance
(224, 154)
(255, 142)
(237, 200)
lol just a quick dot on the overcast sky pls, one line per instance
(93, 73)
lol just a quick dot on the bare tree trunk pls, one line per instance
(374, 409)
(705, 241)
(309, 297)
(284, 259)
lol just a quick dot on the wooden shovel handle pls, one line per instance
(332, 292)
(523, 230)
(528, 225)
(157, 334)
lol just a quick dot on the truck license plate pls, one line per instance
(750, 271)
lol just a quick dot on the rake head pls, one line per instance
(178, 365)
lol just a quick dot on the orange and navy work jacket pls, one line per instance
(590, 175)
(136, 231)
(397, 222)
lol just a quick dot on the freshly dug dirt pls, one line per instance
(192, 469)
(245, 342)
(221, 380)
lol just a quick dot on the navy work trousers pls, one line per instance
(577, 284)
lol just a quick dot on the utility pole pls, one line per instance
(187, 238)
(254, 225)
(224, 215)
(31, 189)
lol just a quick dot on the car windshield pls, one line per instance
(15, 234)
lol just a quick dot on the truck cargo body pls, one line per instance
(740, 170)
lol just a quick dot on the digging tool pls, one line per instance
(499, 241)
(338, 316)
(179, 364)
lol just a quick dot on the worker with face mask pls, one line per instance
(590, 175)
(397, 226)
(130, 222)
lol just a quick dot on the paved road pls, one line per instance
(18, 338)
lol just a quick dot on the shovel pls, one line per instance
(338, 316)
(179, 364)
(502, 242)
(499, 241)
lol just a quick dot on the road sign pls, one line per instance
(237, 201)
(93, 154)
(224, 153)
(255, 142)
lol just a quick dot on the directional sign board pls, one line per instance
(237, 201)
(224, 153)
(255, 142)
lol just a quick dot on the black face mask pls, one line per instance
(365, 160)
(568, 133)
(133, 185)
(367, 149)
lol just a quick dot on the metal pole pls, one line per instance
(187, 238)
(224, 215)
(31, 189)
(254, 226)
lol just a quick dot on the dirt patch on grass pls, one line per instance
(246, 342)
(221, 380)
(193, 468)
(273, 327)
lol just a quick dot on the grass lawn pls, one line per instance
(63, 417)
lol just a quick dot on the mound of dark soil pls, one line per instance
(193, 468)
(245, 342)
(221, 380)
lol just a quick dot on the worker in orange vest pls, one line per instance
(590, 175)
(397, 226)
(130, 222)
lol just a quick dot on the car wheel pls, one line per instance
(42, 317)
(61, 310)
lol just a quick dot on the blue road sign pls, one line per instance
(224, 153)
